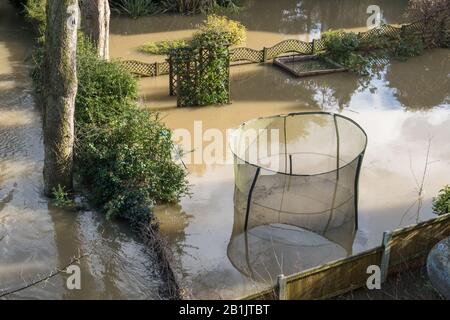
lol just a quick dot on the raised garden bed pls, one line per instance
(307, 65)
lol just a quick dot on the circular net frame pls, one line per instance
(296, 191)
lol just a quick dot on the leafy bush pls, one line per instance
(409, 45)
(123, 154)
(221, 29)
(441, 204)
(341, 47)
(162, 47)
(202, 72)
(215, 29)
(61, 198)
(338, 44)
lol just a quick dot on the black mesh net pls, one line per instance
(296, 184)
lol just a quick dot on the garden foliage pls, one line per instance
(202, 72)
(441, 204)
(123, 154)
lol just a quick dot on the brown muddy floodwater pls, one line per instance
(402, 109)
(35, 238)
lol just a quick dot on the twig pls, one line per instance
(419, 185)
(52, 274)
(152, 238)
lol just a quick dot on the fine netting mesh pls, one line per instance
(296, 183)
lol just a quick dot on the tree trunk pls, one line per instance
(95, 15)
(60, 88)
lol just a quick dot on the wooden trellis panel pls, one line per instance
(188, 68)
(246, 54)
(144, 69)
(288, 46)
(318, 45)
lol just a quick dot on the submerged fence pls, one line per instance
(400, 249)
(248, 55)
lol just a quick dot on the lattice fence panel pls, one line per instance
(390, 32)
(164, 68)
(318, 45)
(144, 69)
(288, 46)
(246, 54)
(200, 75)
(140, 68)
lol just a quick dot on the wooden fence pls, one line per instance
(399, 250)
(248, 55)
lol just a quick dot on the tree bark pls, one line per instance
(95, 15)
(60, 88)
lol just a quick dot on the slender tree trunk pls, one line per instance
(60, 88)
(95, 15)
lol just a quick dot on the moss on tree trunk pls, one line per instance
(60, 88)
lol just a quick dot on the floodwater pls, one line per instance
(405, 111)
(268, 22)
(36, 239)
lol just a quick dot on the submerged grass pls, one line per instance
(162, 47)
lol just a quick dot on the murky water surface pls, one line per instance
(35, 238)
(405, 110)
(402, 109)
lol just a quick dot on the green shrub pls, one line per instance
(102, 84)
(61, 198)
(202, 70)
(409, 45)
(441, 204)
(339, 44)
(123, 153)
(221, 29)
(162, 47)
(34, 12)
(215, 29)
(208, 82)
(341, 47)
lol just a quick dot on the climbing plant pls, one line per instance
(201, 72)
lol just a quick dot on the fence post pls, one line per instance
(171, 84)
(387, 236)
(264, 54)
(281, 287)
(156, 69)
(313, 44)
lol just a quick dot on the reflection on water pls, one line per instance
(264, 252)
(268, 22)
(35, 238)
(401, 108)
